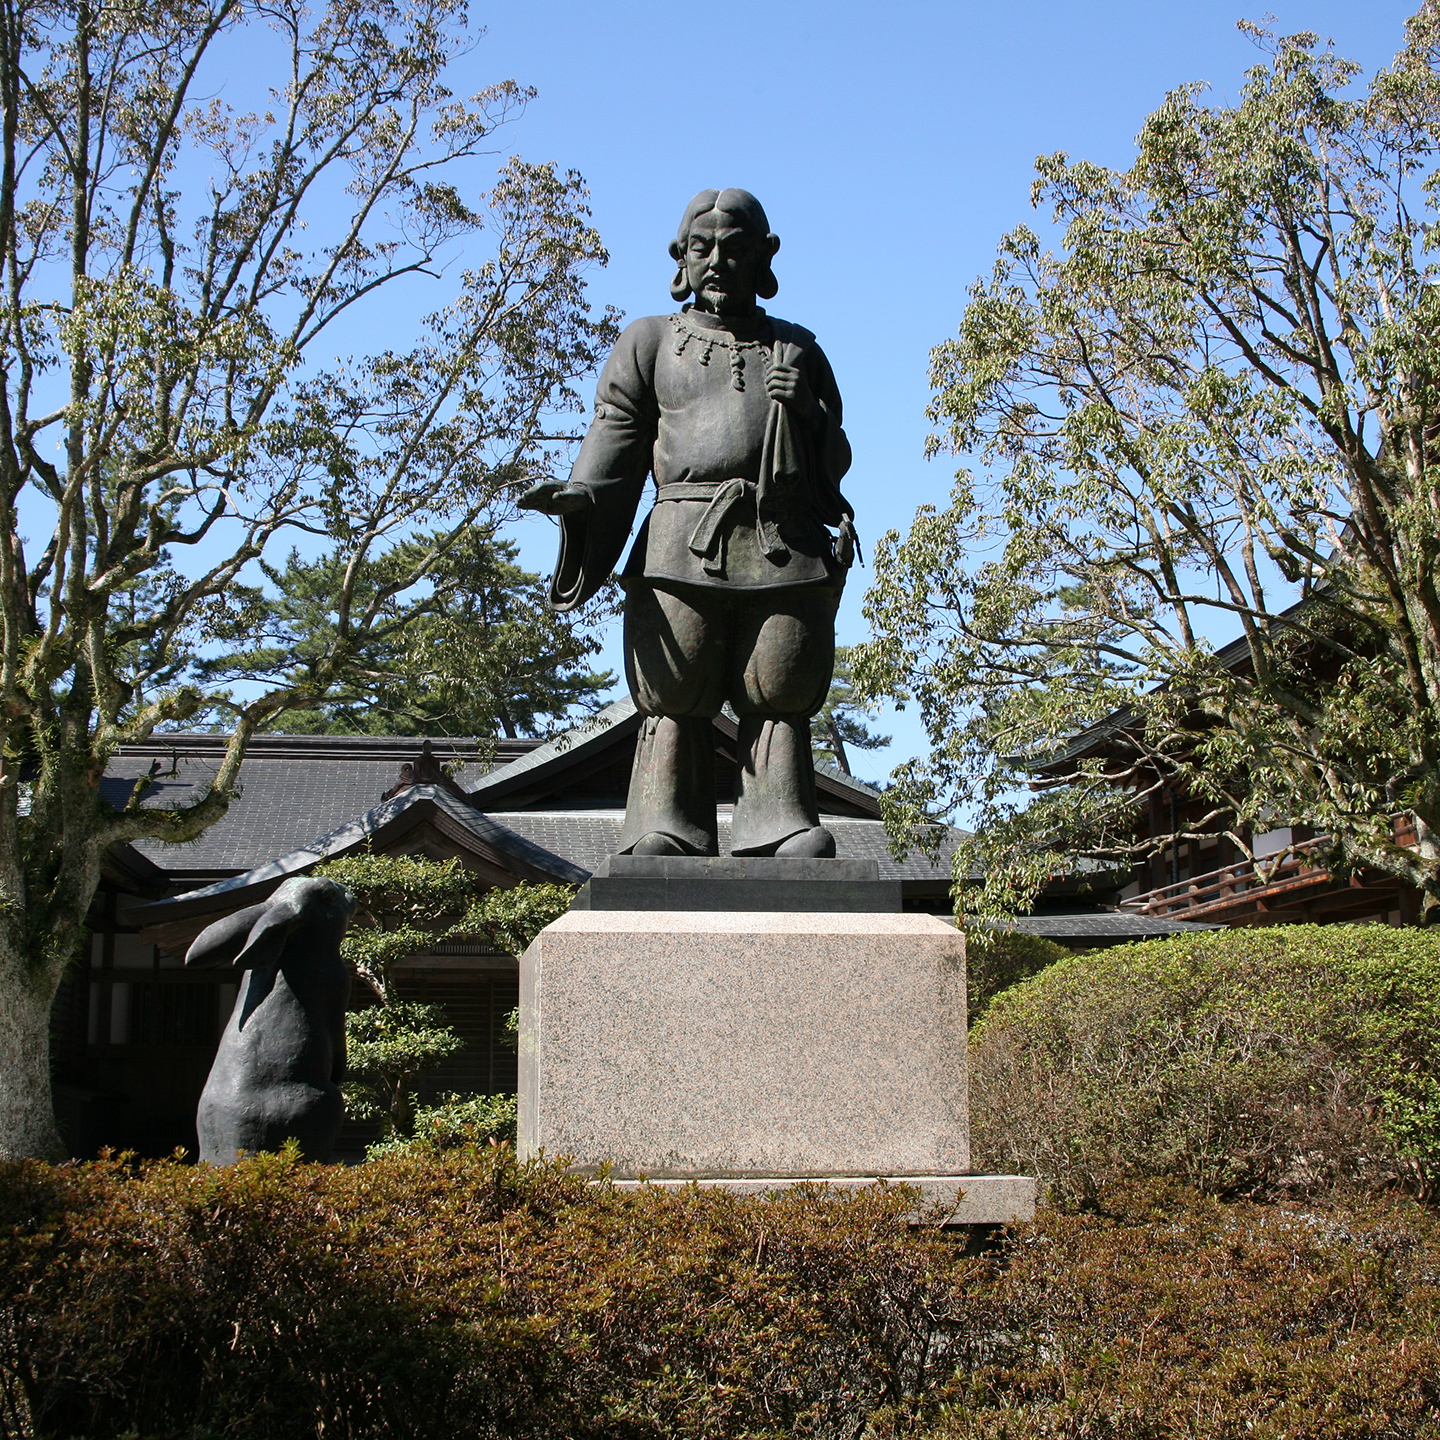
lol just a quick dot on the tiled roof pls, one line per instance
(285, 802)
(1104, 925)
(304, 795)
(592, 728)
(346, 836)
(596, 730)
(851, 782)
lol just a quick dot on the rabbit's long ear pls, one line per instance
(220, 943)
(268, 935)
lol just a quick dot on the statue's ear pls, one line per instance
(220, 943)
(680, 285)
(767, 285)
(267, 936)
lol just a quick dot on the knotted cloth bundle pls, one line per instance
(778, 494)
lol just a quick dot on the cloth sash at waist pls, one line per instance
(724, 496)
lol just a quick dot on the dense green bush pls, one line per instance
(454, 1121)
(997, 959)
(1245, 1062)
(459, 1293)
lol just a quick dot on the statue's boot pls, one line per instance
(813, 844)
(672, 788)
(775, 810)
(657, 843)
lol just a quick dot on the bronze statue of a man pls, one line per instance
(732, 584)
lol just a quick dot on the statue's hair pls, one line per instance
(750, 214)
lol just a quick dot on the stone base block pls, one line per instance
(735, 1045)
(967, 1199)
(737, 882)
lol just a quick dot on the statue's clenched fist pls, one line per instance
(786, 383)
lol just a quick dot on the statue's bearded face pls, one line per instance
(723, 262)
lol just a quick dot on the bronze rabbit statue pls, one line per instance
(283, 1051)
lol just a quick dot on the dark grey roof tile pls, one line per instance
(283, 804)
(1106, 925)
(350, 833)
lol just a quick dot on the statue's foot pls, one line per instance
(815, 844)
(657, 843)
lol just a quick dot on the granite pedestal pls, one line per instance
(750, 1050)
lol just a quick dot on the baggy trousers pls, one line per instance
(690, 648)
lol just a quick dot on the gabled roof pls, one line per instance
(292, 788)
(568, 754)
(516, 820)
(588, 836)
(531, 779)
(378, 827)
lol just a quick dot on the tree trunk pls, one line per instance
(27, 1113)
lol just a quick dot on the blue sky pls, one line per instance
(892, 147)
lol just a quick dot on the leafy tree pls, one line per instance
(406, 903)
(389, 1046)
(1211, 413)
(173, 275)
(478, 651)
(840, 726)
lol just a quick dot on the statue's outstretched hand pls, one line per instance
(556, 497)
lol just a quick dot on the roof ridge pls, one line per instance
(592, 727)
(274, 746)
(828, 767)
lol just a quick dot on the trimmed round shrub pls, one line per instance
(1254, 1062)
(997, 959)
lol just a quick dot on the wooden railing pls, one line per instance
(1252, 879)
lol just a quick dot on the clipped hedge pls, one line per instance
(461, 1294)
(451, 1293)
(1170, 1317)
(1253, 1062)
(997, 959)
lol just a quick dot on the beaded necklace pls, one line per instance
(710, 340)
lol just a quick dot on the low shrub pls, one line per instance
(460, 1293)
(1173, 1317)
(455, 1121)
(454, 1292)
(1256, 1062)
(997, 959)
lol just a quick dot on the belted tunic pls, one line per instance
(746, 494)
